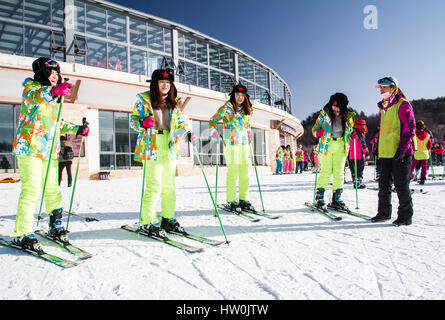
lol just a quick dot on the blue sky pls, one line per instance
(320, 47)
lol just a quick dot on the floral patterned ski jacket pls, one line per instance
(37, 125)
(236, 125)
(178, 129)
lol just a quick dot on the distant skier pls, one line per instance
(279, 159)
(333, 127)
(375, 153)
(237, 134)
(160, 124)
(439, 153)
(358, 151)
(66, 159)
(288, 159)
(423, 143)
(37, 128)
(299, 157)
(397, 129)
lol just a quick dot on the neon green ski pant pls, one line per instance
(32, 177)
(237, 161)
(160, 183)
(333, 164)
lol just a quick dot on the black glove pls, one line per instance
(400, 156)
(83, 129)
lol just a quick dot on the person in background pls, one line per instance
(397, 129)
(65, 159)
(305, 160)
(375, 153)
(358, 151)
(439, 153)
(279, 159)
(422, 155)
(287, 159)
(299, 159)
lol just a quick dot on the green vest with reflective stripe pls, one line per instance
(389, 136)
(422, 150)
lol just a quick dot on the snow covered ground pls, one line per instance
(302, 255)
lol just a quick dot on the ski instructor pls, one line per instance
(160, 124)
(333, 127)
(237, 134)
(397, 129)
(38, 133)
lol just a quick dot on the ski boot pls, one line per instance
(319, 198)
(56, 230)
(28, 242)
(246, 206)
(233, 207)
(360, 184)
(337, 202)
(171, 225)
(422, 180)
(154, 229)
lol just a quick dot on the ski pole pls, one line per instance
(431, 164)
(316, 177)
(143, 178)
(256, 173)
(210, 192)
(217, 164)
(84, 123)
(87, 219)
(355, 175)
(59, 112)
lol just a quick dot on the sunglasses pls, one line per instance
(52, 64)
(383, 80)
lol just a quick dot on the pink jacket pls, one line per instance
(361, 146)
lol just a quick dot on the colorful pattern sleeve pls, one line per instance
(147, 138)
(38, 127)
(235, 124)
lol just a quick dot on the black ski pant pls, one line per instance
(398, 171)
(62, 165)
(360, 168)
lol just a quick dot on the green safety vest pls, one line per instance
(389, 136)
(422, 150)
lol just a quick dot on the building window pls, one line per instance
(221, 59)
(11, 38)
(138, 32)
(116, 26)
(12, 9)
(97, 53)
(9, 115)
(207, 147)
(117, 57)
(96, 22)
(259, 146)
(117, 141)
(221, 82)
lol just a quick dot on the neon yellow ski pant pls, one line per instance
(237, 161)
(32, 177)
(160, 183)
(333, 164)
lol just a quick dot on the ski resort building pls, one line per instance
(108, 52)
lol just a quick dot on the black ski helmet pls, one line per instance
(42, 69)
